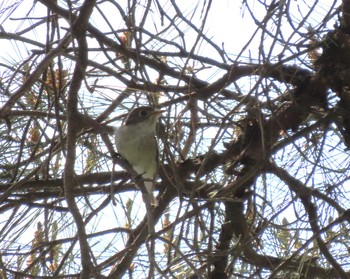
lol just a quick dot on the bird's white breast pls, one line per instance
(138, 146)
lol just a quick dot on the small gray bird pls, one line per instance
(136, 143)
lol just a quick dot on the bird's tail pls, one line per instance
(148, 197)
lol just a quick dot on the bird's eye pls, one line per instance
(143, 113)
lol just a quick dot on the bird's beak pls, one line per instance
(158, 112)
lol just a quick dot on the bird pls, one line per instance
(136, 143)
